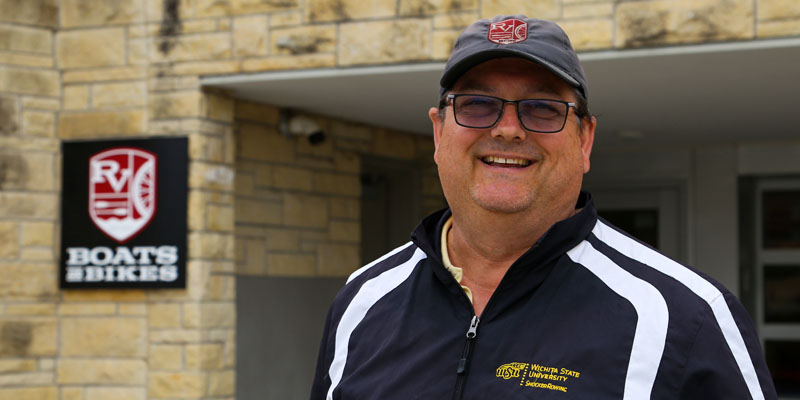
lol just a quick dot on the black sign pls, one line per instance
(123, 214)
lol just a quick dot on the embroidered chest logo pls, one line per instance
(537, 376)
(508, 31)
(510, 370)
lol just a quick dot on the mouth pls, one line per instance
(505, 162)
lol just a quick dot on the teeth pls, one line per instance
(501, 160)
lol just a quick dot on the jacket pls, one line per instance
(586, 313)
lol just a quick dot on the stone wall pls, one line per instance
(298, 204)
(68, 71)
(117, 38)
(137, 344)
(259, 203)
(30, 98)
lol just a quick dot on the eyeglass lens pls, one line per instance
(535, 114)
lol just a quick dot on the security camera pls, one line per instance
(301, 125)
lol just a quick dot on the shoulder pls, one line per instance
(666, 294)
(384, 262)
(400, 256)
(672, 279)
(381, 275)
(687, 316)
(674, 296)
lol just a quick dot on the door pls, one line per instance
(391, 206)
(777, 280)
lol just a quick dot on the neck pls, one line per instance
(485, 244)
(496, 240)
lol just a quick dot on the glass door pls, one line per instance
(777, 280)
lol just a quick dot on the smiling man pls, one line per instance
(518, 290)
(506, 180)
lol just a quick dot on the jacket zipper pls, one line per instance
(463, 362)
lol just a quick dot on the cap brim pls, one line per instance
(454, 72)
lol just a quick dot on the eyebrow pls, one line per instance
(473, 85)
(543, 89)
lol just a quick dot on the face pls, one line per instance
(505, 168)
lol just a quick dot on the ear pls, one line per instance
(587, 140)
(438, 124)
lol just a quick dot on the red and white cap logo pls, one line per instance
(508, 31)
(122, 191)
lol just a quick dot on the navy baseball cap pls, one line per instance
(533, 39)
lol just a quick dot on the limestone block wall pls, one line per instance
(298, 204)
(70, 71)
(116, 38)
(156, 344)
(30, 97)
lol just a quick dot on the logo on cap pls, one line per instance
(122, 191)
(508, 31)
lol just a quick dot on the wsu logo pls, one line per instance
(122, 191)
(510, 370)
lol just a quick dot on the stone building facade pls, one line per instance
(260, 203)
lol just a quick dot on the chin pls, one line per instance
(504, 205)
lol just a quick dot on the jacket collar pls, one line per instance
(527, 272)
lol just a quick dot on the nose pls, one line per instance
(509, 127)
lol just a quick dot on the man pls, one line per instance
(518, 290)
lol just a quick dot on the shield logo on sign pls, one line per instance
(122, 191)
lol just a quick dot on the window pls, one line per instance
(652, 214)
(641, 223)
(781, 219)
(777, 279)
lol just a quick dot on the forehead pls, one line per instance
(519, 74)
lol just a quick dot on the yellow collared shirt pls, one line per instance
(457, 272)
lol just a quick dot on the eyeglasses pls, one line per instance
(537, 115)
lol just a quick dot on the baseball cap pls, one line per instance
(537, 40)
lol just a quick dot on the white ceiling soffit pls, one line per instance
(700, 94)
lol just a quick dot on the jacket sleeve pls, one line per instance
(712, 371)
(322, 381)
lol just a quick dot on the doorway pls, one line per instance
(391, 204)
(775, 279)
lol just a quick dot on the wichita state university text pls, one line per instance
(123, 264)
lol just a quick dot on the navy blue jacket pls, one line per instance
(586, 313)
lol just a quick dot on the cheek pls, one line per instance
(566, 154)
(447, 158)
(453, 162)
(452, 147)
